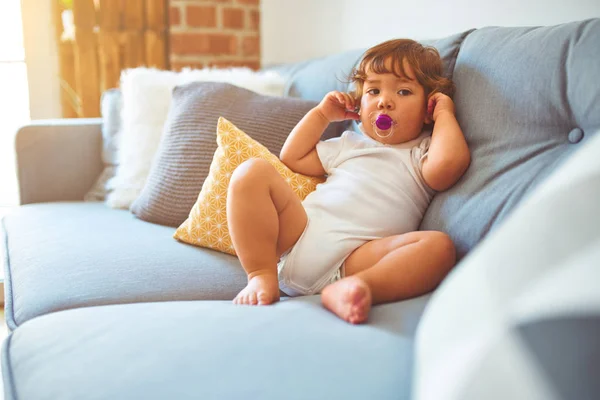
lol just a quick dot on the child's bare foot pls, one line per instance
(261, 289)
(349, 299)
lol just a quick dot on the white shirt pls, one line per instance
(373, 190)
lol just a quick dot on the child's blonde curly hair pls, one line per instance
(425, 61)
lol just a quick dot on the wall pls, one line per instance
(294, 30)
(214, 33)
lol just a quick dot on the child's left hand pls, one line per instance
(438, 104)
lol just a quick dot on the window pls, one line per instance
(14, 95)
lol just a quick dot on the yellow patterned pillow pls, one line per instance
(206, 226)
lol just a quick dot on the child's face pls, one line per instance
(400, 98)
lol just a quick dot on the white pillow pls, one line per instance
(495, 328)
(146, 95)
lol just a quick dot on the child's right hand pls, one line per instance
(338, 106)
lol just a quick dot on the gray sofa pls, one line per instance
(102, 305)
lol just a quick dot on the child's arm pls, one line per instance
(299, 151)
(448, 157)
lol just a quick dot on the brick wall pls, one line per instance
(217, 33)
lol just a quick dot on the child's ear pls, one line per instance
(429, 110)
(356, 97)
(428, 115)
(428, 119)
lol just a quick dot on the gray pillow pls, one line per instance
(110, 110)
(188, 143)
(526, 98)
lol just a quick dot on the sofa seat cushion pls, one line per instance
(68, 255)
(294, 349)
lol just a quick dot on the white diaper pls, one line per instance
(312, 263)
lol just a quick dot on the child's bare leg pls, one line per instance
(390, 269)
(265, 218)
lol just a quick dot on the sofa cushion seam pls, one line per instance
(457, 50)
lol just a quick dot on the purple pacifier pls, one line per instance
(384, 122)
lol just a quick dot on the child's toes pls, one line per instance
(252, 299)
(246, 298)
(239, 299)
(264, 298)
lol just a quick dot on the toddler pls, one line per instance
(355, 239)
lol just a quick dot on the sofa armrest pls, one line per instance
(58, 160)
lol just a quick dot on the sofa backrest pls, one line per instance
(526, 99)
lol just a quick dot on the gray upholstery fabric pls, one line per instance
(189, 142)
(294, 349)
(110, 109)
(69, 255)
(525, 98)
(58, 160)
